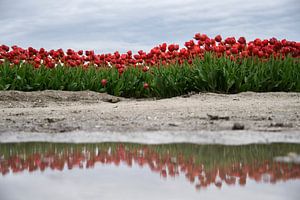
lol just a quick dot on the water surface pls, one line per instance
(136, 171)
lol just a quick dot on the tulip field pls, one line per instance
(204, 64)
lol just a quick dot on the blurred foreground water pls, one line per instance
(138, 171)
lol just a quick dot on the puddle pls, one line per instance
(139, 171)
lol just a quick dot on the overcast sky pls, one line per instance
(109, 25)
(115, 183)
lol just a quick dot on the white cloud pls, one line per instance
(129, 24)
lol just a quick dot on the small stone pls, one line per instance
(188, 94)
(216, 117)
(277, 124)
(238, 126)
(270, 118)
(115, 100)
(282, 125)
(112, 100)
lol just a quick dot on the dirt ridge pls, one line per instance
(65, 111)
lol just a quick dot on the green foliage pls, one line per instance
(210, 74)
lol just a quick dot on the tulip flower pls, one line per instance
(146, 85)
(103, 82)
(218, 38)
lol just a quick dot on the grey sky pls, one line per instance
(109, 25)
(124, 183)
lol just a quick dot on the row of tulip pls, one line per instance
(159, 55)
(204, 64)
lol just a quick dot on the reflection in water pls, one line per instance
(203, 165)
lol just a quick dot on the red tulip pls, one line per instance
(242, 40)
(145, 68)
(203, 37)
(171, 47)
(265, 42)
(230, 40)
(234, 50)
(103, 82)
(207, 41)
(260, 54)
(129, 53)
(218, 38)
(16, 61)
(163, 47)
(121, 70)
(80, 52)
(146, 86)
(245, 53)
(5, 48)
(257, 42)
(197, 36)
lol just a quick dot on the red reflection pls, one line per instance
(167, 164)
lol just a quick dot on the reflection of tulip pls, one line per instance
(218, 184)
(163, 173)
(198, 186)
(242, 180)
(164, 163)
(230, 180)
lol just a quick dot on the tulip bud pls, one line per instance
(146, 85)
(103, 82)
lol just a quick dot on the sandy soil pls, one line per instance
(61, 111)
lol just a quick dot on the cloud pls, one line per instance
(128, 24)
